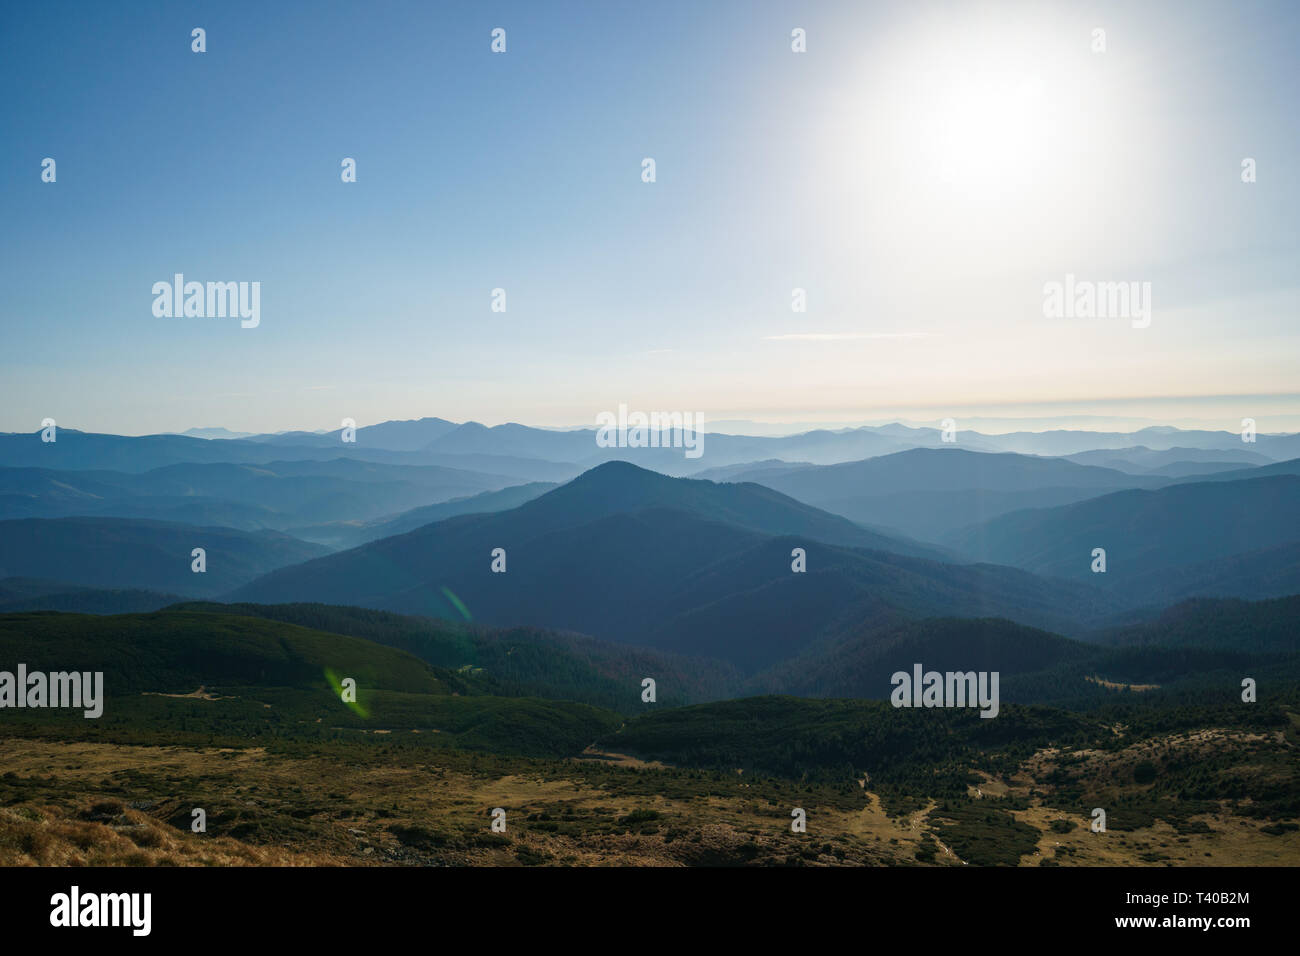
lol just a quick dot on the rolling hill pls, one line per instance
(514, 662)
(178, 651)
(929, 492)
(1148, 536)
(90, 451)
(27, 594)
(1142, 460)
(1218, 623)
(862, 665)
(120, 553)
(272, 495)
(182, 673)
(1167, 662)
(350, 534)
(688, 566)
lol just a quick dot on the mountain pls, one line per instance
(214, 433)
(1146, 534)
(819, 446)
(1142, 460)
(1072, 442)
(929, 492)
(1166, 661)
(939, 469)
(27, 594)
(826, 446)
(1193, 469)
(272, 495)
(315, 491)
(619, 487)
(1254, 575)
(731, 472)
(862, 665)
(86, 451)
(119, 553)
(675, 564)
(524, 453)
(1291, 467)
(412, 435)
(739, 610)
(1218, 623)
(350, 534)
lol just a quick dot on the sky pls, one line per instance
(922, 172)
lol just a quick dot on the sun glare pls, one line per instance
(975, 126)
(972, 143)
(976, 113)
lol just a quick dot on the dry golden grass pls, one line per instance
(115, 835)
(110, 805)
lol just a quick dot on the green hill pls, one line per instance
(27, 594)
(177, 652)
(184, 676)
(1219, 623)
(515, 662)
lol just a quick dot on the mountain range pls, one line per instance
(539, 454)
(771, 562)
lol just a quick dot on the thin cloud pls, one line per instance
(843, 336)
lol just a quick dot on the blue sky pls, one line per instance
(921, 171)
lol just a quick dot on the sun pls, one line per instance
(961, 144)
(972, 112)
(976, 127)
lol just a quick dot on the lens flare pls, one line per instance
(457, 603)
(337, 684)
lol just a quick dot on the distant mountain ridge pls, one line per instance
(1143, 460)
(1146, 534)
(126, 554)
(930, 492)
(533, 454)
(275, 495)
(695, 567)
(351, 534)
